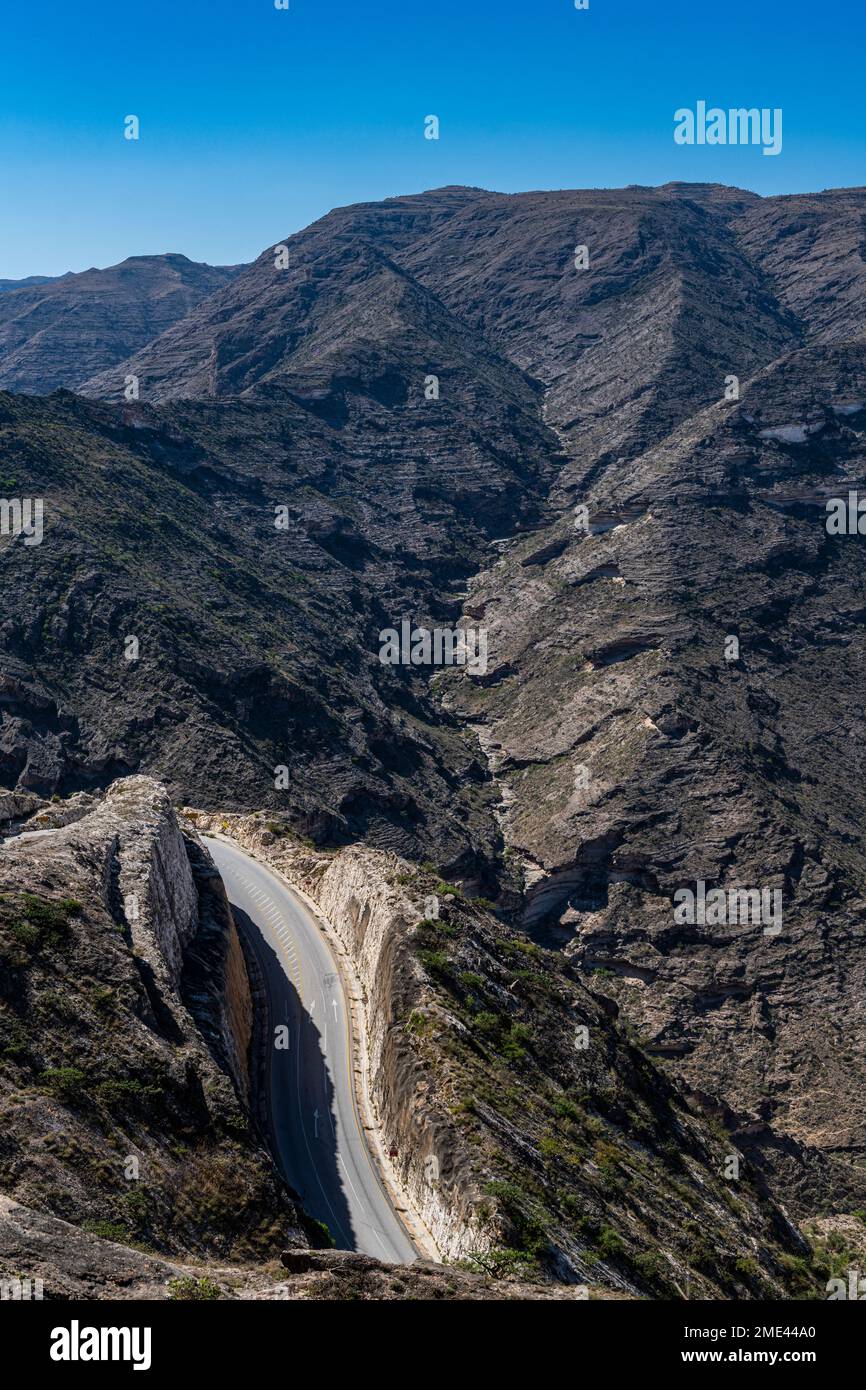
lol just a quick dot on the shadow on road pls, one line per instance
(299, 1092)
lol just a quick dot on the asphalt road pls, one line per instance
(317, 1131)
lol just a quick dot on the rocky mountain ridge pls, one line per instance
(56, 332)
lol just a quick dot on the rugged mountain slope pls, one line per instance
(632, 343)
(259, 646)
(642, 335)
(810, 248)
(58, 332)
(684, 285)
(633, 759)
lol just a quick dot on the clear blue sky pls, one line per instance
(255, 121)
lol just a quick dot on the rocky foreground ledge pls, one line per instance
(76, 1265)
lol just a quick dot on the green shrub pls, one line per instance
(125, 1092)
(551, 1147)
(438, 927)
(567, 1110)
(103, 999)
(15, 1039)
(188, 1289)
(525, 1215)
(609, 1244)
(650, 1265)
(40, 921)
(107, 1230)
(448, 890)
(436, 962)
(606, 1156)
(64, 1082)
(490, 1025)
(512, 1044)
(499, 1263)
(24, 933)
(470, 981)
(320, 1235)
(417, 1023)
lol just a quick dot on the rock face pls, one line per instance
(151, 872)
(125, 1020)
(671, 702)
(57, 332)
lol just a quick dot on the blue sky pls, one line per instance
(255, 121)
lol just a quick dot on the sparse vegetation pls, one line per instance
(187, 1289)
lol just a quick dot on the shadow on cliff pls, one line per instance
(298, 1113)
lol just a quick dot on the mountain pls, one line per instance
(259, 646)
(26, 282)
(615, 461)
(57, 332)
(503, 264)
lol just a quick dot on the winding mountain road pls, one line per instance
(316, 1127)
